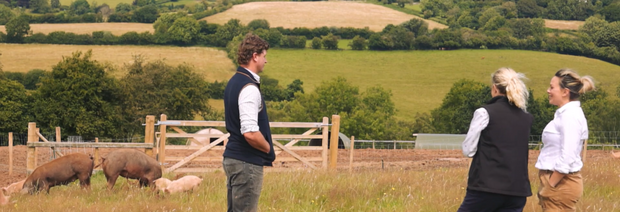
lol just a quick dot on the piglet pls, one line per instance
(187, 183)
(15, 187)
(4, 199)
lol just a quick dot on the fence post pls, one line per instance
(373, 144)
(325, 139)
(584, 151)
(351, 148)
(394, 144)
(10, 153)
(96, 151)
(333, 146)
(162, 140)
(58, 134)
(31, 162)
(148, 133)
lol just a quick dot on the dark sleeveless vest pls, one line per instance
(237, 147)
(501, 161)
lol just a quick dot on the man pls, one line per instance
(249, 146)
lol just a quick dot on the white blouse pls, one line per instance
(563, 140)
(479, 122)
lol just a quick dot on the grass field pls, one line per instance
(88, 28)
(410, 189)
(561, 24)
(316, 14)
(210, 62)
(419, 80)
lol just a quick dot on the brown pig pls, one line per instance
(15, 187)
(131, 164)
(61, 171)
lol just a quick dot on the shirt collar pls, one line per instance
(253, 75)
(571, 104)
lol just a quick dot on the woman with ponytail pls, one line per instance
(498, 142)
(559, 161)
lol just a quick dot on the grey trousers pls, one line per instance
(244, 182)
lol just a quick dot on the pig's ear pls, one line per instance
(4, 191)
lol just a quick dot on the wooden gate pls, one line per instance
(288, 147)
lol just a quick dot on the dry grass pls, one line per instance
(317, 14)
(565, 25)
(211, 63)
(87, 28)
(428, 188)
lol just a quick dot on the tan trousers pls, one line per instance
(562, 197)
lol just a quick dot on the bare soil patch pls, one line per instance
(317, 14)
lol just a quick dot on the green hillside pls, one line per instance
(420, 79)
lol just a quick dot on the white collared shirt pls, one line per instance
(478, 123)
(249, 105)
(563, 140)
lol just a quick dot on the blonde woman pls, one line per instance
(498, 142)
(559, 161)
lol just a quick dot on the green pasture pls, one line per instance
(342, 44)
(419, 80)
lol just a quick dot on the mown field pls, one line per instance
(210, 62)
(419, 80)
(423, 188)
(88, 28)
(317, 14)
(564, 25)
(112, 3)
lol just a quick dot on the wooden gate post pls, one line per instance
(57, 134)
(96, 151)
(333, 146)
(351, 148)
(10, 153)
(162, 140)
(31, 162)
(325, 131)
(149, 131)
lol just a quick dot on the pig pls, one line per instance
(162, 183)
(4, 199)
(186, 183)
(15, 187)
(131, 164)
(61, 171)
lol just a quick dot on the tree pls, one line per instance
(146, 14)
(13, 106)
(81, 97)
(418, 26)
(611, 12)
(40, 6)
(79, 7)
(528, 9)
(488, 15)
(608, 36)
(228, 31)
(258, 24)
(317, 43)
(17, 28)
(593, 25)
(55, 4)
(184, 30)
(458, 106)
(157, 88)
(330, 41)
(358, 43)
(5, 14)
(122, 8)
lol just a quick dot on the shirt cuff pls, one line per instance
(245, 129)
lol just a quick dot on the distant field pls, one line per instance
(88, 28)
(560, 24)
(317, 14)
(419, 80)
(210, 62)
(112, 3)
